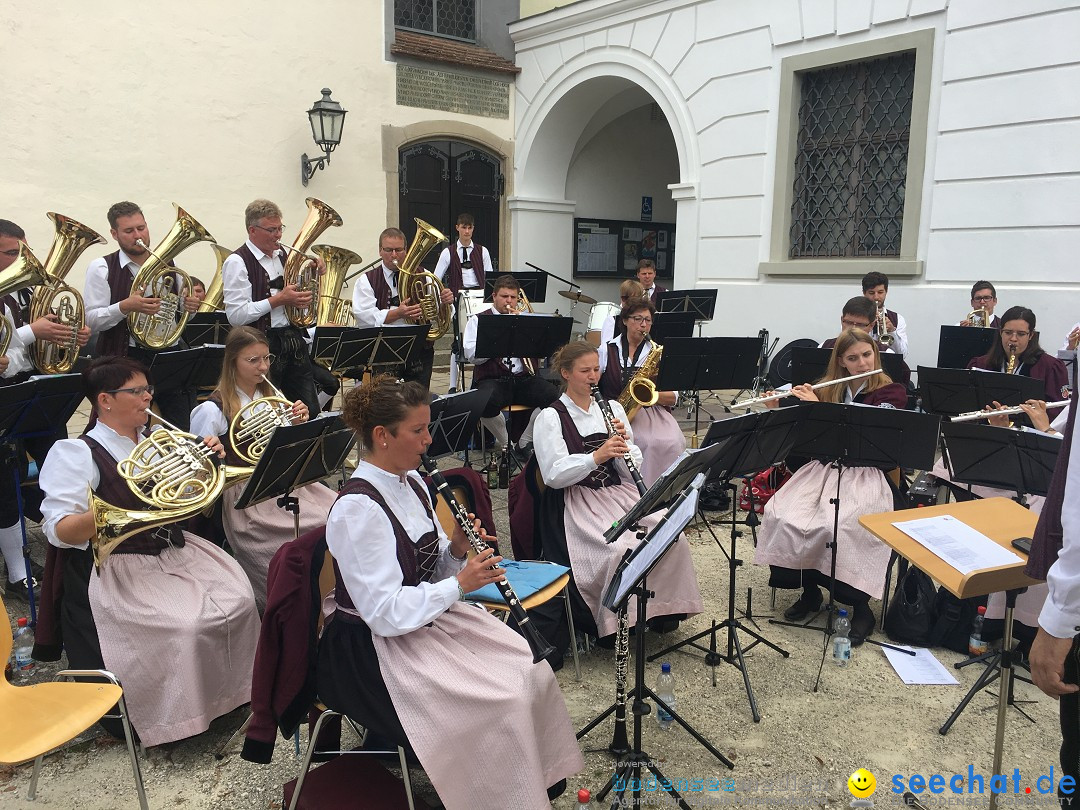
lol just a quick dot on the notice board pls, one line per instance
(611, 248)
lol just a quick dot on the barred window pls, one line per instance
(446, 18)
(851, 159)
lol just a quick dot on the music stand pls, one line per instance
(706, 364)
(808, 365)
(952, 391)
(533, 285)
(377, 349)
(38, 407)
(324, 343)
(295, 456)
(701, 302)
(173, 370)
(630, 580)
(668, 325)
(958, 344)
(207, 371)
(206, 327)
(859, 436)
(453, 421)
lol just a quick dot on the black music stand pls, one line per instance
(534, 285)
(173, 370)
(750, 443)
(206, 327)
(701, 302)
(858, 436)
(207, 371)
(386, 348)
(295, 456)
(668, 325)
(808, 365)
(705, 364)
(324, 343)
(958, 344)
(952, 391)
(630, 580)
(991, 456)
(453, 422)
(41, 406)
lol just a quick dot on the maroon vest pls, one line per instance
(114, 340)
(116, 491)
(615, 376)
(476, 258)
(14, 309)
(260, 282)
(606, 475)
(383, 293)
(495, 367)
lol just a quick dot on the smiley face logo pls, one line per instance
(862, 784)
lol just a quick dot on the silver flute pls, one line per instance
(971, 416)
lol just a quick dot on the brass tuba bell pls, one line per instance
(214, 300)
(422, 287)
(25, 271)
(300, 269)
(333, 310)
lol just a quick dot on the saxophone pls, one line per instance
(1010, 367)
(640, 390)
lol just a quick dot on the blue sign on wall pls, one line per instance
(646, 209)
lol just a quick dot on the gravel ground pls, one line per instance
(798, 755)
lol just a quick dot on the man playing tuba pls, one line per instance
(109, 298)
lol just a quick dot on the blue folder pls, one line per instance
(526, 578)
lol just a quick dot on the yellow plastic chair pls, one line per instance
(36, 719)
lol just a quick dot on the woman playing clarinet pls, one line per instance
(403, 654)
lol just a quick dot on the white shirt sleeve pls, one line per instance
(900, 341)
(558, 467)
(443, 264)
(607, 330)
(469, 342)
(68, 473)
(100, 314)
(208, 420)
(359, 535)
(239, 308)
(364, 306)
(1060, 616)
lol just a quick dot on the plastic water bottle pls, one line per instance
(583, 797)
(22, 649)
(492, 474)
(665, 690)
(841, 640)
(976, 644)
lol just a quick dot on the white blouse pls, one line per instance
(361, 538)
(641, 358)
(561, 468)
(209, 420)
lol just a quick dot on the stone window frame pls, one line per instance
(907, 263)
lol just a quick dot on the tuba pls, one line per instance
(214, 300)
(422, 287)
(252, 425)
(155, 279)
(332, 309)
(54, 297)
(174, 473)
(300, 269)
(25, 271)
(640, 390)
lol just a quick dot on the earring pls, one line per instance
(384, 444)
(108, 408)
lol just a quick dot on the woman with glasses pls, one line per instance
(257, 532)
(656, 431)
(172, 615)
(629, 291)
(1018, 338)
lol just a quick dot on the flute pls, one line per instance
(609, 421)
(971, 416)
(539, 645)
(772, 398)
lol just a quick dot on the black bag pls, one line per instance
(910, 618)
(953, 620)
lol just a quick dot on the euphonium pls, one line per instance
(25, 271)
(640, 390)
(300, 269)
(174, 473)
(883, 336)
(54, 297)
(214, 300)
(421, 287)
(252, 425)
(156, 279)
(978, 317)
(333, 310)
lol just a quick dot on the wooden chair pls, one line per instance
(36, 719)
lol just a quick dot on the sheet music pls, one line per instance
(662, 538)
(961, 546)
(919, 669)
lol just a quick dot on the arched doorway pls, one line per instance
(439, 179)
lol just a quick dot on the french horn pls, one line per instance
(300, 268)
(252, 425)
(422, 287)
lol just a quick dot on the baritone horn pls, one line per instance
(25, 271)
(54, 297)
(332, 309)
(156, 279)
(422, 287)
(300, 268)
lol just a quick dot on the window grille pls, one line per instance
(446, 18)
(851, 159)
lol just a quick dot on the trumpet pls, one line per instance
(774, 397)
(882, 328)
(609, 421)
(971, 416)
(252, 425)
(978, 317)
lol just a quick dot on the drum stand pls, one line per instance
(761, 382)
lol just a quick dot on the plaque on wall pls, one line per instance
(452, 92)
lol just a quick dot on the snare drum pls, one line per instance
(469, 303)
(598, 315)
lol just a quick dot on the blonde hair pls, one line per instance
(836, 370)
(239, 339)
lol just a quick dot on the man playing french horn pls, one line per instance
(110, 296)
(256, 294)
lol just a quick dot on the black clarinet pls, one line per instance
(539, 645)
(609, 421)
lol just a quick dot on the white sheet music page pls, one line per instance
(961, 546)
(919, 669)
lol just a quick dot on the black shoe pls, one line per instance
(862, 624)
(809, 602)
(556, 790)
(19, 589)
(664, 624)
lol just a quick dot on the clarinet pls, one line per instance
(609, 421)
(541, 649)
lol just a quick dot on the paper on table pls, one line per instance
(921, 668)
(961, 546)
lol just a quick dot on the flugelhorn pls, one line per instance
(774, 397)
(173, 473)
(252, 425)
(883, 336)
(978, 317)
(300, 268)
(332, 309)
(422, 287)
(157, 279)
(971, 416)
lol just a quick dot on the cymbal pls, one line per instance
(577, 296)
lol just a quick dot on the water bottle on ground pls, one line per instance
(665, 690)
(492, 474)
(583, 797)
(22, 648)
(976, 644)
(504, 470)
(841, 640)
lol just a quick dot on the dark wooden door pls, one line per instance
(441, 179)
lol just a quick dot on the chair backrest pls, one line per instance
(6, 639)
(443, 513)
(327, 582)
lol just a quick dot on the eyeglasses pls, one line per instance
(1009, 333)
(263, 358)
(272, 231)
(982, 298)
(854, 324)
(640, 319)
(138, 390)
(392, 250)
(12, 253)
